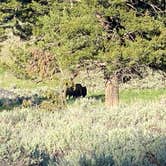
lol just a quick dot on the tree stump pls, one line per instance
(112, 93)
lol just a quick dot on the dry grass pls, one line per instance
(85, 134)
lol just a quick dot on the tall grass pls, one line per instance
(86, 134)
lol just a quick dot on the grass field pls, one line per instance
(85, 133)
(8, 81)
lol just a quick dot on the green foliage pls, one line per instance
(54, 100)
(70, 36)
(72, 33)
(21, 16)
(20, 58)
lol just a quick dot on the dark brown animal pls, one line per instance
(77, 91)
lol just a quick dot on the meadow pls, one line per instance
(86, 133)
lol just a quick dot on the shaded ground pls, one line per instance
(7, 94)
(9, 100)
(98, 97)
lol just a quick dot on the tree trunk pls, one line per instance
(112, 93)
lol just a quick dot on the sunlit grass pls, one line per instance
(8, 80)
(133, 95)
(85, 134)
(130, 95)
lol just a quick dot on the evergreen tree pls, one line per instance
(121, 34)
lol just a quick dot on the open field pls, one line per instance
(85, 133)
(150, 88)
